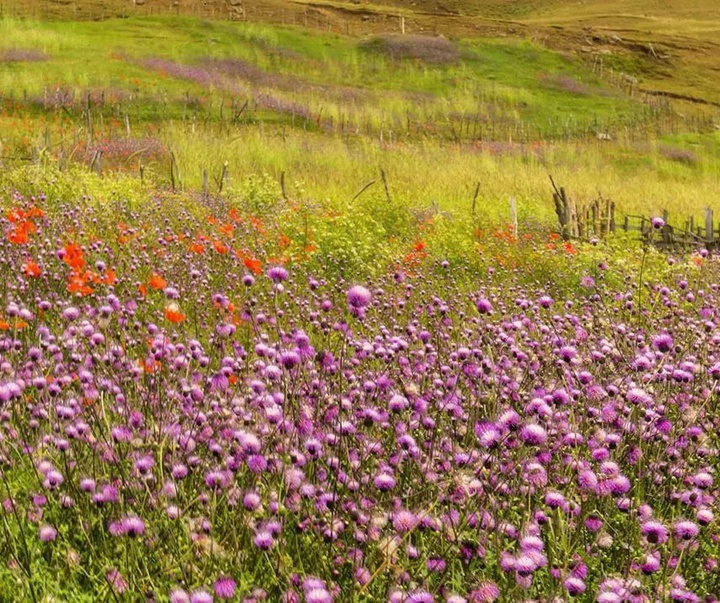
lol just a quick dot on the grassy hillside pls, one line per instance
(287, 314)
(668, 46)
(330, 110)
(186, 101)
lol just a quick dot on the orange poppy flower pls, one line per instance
(18, 235)
(220, 247)
(78, 285)
(31, 268)
(227, 229)
(15, 215)
(257, 224)
(110, 277)
(149, 366)
(74, 256)
(253, 264)
(157, 282)
(173, 314)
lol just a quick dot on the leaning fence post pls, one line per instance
(572, 211)
(709, 225)
(595, 210)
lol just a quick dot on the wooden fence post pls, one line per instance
(709, 226)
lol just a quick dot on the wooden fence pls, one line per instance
(597, 219)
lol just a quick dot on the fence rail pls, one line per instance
(597, 219)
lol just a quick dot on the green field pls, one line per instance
(288, 315)
(329, 111)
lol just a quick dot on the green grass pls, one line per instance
(506, 114)
(507, 81)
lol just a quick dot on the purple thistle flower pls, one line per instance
(224, 588)
(587, 282)
(47, 533)
(704, 516)
(264, 540)
(686, 530)
(587, 480)
(384, 482)
(128, 526)
(488, 434)
(525, 565)
(179, 596)
(545, 301)
(201, 596)
(257, 463)
(251, 501)
(404, 521)
(609, 597)
(278, 274)
(574, 586)
(567, 353)
(650, 565)
(318, 595)
(116, 581)
(533, 434)
(663, 342)
(486, 592)
(420, 596)
(484, 306)
(358, 297)
(593, 523)
(654, 532)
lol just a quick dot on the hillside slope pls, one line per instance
(667, 47)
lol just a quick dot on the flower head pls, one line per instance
(358, 297)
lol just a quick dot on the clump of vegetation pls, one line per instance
(684, 156)
(22, 55)
(433, 50)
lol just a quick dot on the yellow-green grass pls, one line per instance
(523, 95)
(497, 89)
(687, 32)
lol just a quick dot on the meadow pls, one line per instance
(270, 331)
